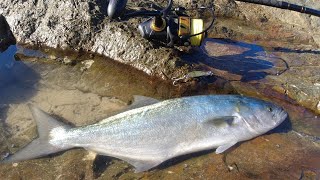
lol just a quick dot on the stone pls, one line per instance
(86, 64)
(6, 36)
(83, 25)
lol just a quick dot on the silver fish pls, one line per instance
(149, 135)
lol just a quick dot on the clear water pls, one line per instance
(84, 97)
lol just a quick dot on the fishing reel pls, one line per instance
(167, 26)
(174, 27)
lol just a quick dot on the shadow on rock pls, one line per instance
(249, 61)
(6, 36)
(17, 81)
(100, 164)
(284, 127)
(179, 159)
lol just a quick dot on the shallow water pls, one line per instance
(82, 94)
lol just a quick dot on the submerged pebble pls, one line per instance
(87, 64)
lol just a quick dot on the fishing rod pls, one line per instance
(284, 5)
(173, 26)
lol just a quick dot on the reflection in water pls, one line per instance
(6, 63)
(16, 82)
(16, 78)
(16, 86)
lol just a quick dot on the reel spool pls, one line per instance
(189, 26)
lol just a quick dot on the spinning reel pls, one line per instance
(167, 26)
(174, 27)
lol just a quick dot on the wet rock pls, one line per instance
(303, 26)
(308, 174)
(83, 98)
(6, 36)
(233, 17)
(256, 70)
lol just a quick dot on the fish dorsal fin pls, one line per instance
(222, 121)
(224, 147)
(138, 101)
(141, 101)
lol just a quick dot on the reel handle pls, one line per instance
(116, 8)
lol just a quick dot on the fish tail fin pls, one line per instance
(48, 128)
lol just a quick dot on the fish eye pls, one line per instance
(269, 109)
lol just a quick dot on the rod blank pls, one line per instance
(285, 5)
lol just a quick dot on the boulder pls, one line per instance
(83, 25)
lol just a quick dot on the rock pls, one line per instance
(83, 25)
(6, 36)
(304, 26)
(284, 24)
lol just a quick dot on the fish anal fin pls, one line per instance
(221, 121)
(141, 165)
(225, 147)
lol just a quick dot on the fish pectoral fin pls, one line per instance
(141, 101)
(141, 165)
(225, 147)
(221, 121)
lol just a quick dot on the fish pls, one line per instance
(155, 131)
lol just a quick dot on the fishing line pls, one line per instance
(253, 62)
